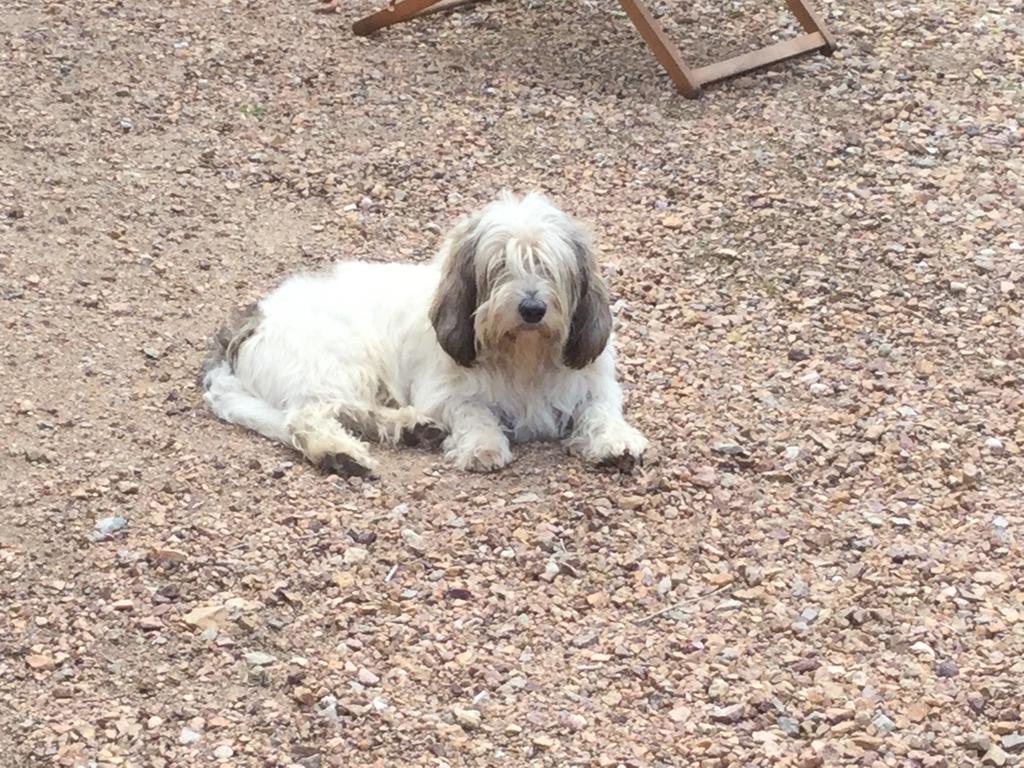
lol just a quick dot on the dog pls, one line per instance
(505, 337)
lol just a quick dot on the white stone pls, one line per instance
(355, 555)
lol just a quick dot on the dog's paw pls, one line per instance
(482, 455)
(343, 465)
(621, 450)
(623, 462)
(486, 460)
(425, 434)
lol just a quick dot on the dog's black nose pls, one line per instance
(532, 310)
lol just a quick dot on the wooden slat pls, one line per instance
(401, 11)
(664, 49)
(811, 22)
(763, 57)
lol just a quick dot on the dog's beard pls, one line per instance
(524, 352)
(506, 341)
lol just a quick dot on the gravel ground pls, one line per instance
(818, 275)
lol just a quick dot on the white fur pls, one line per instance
(351, 353)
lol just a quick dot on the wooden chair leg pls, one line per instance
(811, 22)
(664, 49)
(398, 11)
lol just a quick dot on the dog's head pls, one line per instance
(521, 272)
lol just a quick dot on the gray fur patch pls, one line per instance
(229, 339)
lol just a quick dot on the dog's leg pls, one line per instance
(476, 442)
(393, 425)
(316, 430)
(601, 434)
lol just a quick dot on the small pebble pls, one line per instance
(106, 527)
(526, 498)
(574, 722)
(665, 585)
(327, 708)
(730, 714)
(718, 689)
(874, 432)
(789, 726)
(995, 756)
(979, 742)
(188, 736)
(355, 555)
(922, 648)
(467, 718)
(543, 741)
(551, 570)
(413, 540)
(1013, 742)
(883, 724)
(727, 447)
(259, 659)
(366, 677)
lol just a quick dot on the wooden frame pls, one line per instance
(403, 10)
(687, 81)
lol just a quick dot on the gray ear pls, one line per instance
(592, 319)
(455, 302)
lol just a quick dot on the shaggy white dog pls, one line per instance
(505, 336)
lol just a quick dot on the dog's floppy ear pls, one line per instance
(455, 302)
(592, 319)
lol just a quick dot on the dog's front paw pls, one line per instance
(482, 454)
(622, 449)
(428, 435)
(624, 462)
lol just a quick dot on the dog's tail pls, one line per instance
(226, 394)
(228, 340)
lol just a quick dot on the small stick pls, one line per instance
(681, 603)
